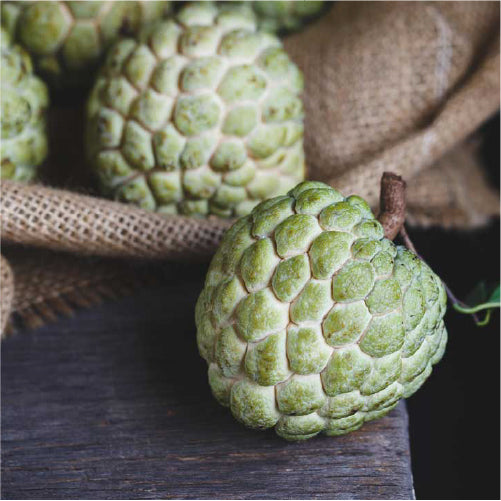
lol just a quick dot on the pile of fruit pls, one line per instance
(310, 320)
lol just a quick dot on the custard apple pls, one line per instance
(202, 115)
(311, 321)
(286, 16)
(24, 100)
(67, 39)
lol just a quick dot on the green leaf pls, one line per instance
(495, 296)
(478, 294)
(482, 297)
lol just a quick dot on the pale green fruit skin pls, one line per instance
(286, 16)
(276, 16)
(68, 39)
(24, 101)
(311, 321)
(202, 115)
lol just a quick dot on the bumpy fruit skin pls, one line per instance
(24, 100)
(311, 321)
(68, 39)
(286, 16)
(201, 116)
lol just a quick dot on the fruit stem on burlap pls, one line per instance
(392, 204)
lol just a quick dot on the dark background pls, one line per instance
(454, 417)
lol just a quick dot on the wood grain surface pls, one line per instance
(113, 403)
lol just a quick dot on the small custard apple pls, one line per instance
(311, 321)
(286, 16)
(202, 115)
(67, 39)
(24, 101)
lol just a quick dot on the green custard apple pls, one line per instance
(311, 321)
(68, 39)
(24, 101)
(286, 16)
(201, 115)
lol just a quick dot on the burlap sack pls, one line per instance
(394, 86)
(50, 284)
(389, 86)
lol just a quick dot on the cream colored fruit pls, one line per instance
(200, 115)
(24, 101)
(311, 321)
(67, 39)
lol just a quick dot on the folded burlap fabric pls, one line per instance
(393, 86)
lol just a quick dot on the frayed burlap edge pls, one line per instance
(49, 285)
(6, 293)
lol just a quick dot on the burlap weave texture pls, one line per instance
(394, 86)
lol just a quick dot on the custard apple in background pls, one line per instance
(24, 100)
(285, 17)
(67, 39)
(202, 116)
(311, 321)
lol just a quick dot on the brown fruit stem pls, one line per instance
(392, 204)
(392, 217)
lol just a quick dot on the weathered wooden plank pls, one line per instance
(114, 404)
